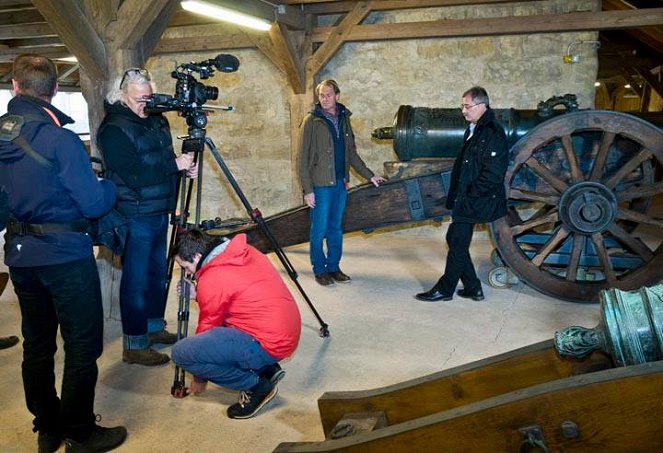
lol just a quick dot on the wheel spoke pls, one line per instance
(604, 259)
(525, 195)
(633, 243)
(576, 173)
(550, 245)
(534, 222)
(601, 156)
(634, 216)
(641, 191)
(627, 168)
(546, 174)
(574, 259)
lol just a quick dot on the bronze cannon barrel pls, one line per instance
(424, 132)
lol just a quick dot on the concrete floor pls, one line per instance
(380, 335)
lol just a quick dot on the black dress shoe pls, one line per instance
(340, 277)
(474, 295)
(324, 279)
(433, 296)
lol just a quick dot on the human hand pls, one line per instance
(184, 162)
(197, 388)
(191, 287)
(309, 199)
(192, 172)
(376, 180)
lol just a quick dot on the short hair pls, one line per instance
(122, 82)
(329, 83)
(479, 95)
(195, 241)
(36, 76)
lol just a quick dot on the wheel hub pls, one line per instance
(587, 207)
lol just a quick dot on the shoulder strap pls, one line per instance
(10, 130)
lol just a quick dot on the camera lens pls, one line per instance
(212, 93)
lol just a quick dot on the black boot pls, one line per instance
(102, 439)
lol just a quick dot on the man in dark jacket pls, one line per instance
(138, 153)
(52, 191)
(476, 195)
(326, 152)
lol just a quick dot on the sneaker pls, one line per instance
(102, 439)
(273, 372)
(340, 277)
(252, 400)
(8, 342)
(324, 279)
(147, 357)
(163, 337)
(48, 443)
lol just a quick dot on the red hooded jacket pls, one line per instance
(240, 288)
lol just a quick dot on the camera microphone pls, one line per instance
(225, 62)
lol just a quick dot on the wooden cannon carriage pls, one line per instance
(592, 390)
(581, 187)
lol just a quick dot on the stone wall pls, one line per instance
(375, 79)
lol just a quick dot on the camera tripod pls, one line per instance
(195, 142)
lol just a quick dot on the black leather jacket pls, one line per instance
(477, 193)
(139, 158)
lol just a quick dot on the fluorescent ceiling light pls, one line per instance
(69, 59)
(228, 15)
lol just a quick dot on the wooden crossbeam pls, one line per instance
(514, 25)
(53, 52)
(133, 19)
(336, 7)
(26, 31)
(286, 52)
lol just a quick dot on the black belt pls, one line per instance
(22, 228)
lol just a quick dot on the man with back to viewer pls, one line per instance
(52, 192)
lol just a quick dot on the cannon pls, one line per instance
(581, 187)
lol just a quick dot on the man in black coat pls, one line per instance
(476, 195)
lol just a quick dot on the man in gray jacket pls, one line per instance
(326, 152)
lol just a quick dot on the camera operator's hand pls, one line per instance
(309, 199)
(185, 162)
(192, 172)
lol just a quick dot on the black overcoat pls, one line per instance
(477, 193)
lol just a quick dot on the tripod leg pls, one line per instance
(179, 389)
(257, 217)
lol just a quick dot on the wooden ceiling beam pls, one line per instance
(652, 81)
(544, 23)
(8, 4)
(200, 38)
(134, 18)
(21, 16)
(26, 31)
(340, 34)
(52, 52)
(77, 33)
(336, 7)
(286, 52)
(292, 16)
(652, 36)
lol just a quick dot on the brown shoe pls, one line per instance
(163, 337)
(324, 279)
(340, 277)
(147, 357)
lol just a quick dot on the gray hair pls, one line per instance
(117, 93)
(479, 95)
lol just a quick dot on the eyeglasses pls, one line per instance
(133, 71)
(468, 106)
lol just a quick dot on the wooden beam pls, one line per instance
(26, 31)
(291, 16)
(514, 25)
(77, 33)
(286, 52)
(155, 30)
(133, 19)
(340, 34)
(20, 16)
(652, 81)
(7, 4)
(52, 52)
(335, 7)
(197, 38)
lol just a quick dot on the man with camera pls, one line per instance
(248, 319)
(139, 158)
(52, 191)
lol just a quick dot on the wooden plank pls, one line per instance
(133, 19)
(52, 52)
(513, 25)
(20, 17)
(7, 4)
(77, 33)
(287, 55)
(292, 16)
(334, 7)
(336, 39)
(154, 32)
(26, 31)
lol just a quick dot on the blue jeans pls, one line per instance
(326, 223)
(143, 285)
(67, 295)
(223, 355)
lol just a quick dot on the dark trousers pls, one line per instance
(459, 263)
(67, 295)
(143, 285)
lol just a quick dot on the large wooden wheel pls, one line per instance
(582, 213)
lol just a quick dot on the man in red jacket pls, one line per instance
(248, 320)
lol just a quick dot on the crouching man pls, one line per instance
(248, 319)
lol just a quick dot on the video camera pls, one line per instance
(190, 94)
